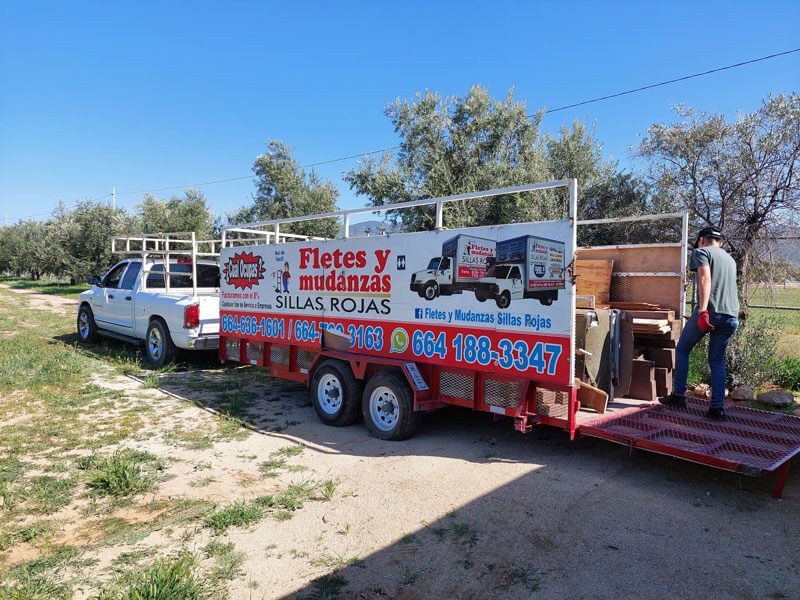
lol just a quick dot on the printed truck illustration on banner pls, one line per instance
(463, 262)
(524, 267)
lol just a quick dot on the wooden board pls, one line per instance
(623, 383)
(669, 315)
(591, 397)
(663, 381)
(584, 301)
(638, 259)
(643, 383)
(662, 357)
(594, 278)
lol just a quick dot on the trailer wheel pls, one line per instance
(388, 407)
(335, 393)
(158, 346)
(431, 290)
(87, 328)
(503, 300)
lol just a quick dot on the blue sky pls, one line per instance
(147, 95)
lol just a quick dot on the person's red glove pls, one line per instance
(703, 323)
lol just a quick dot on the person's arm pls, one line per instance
(703, 287)
(703, 295)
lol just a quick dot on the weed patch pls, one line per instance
(123, 473)
(166, 579)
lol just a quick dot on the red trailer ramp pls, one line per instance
(750, 442)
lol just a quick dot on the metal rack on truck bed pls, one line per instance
(347, 318)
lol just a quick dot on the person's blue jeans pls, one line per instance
(724, 327)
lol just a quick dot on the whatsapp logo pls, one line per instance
(399, 340)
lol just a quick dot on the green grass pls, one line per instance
(30, 362)
(172, 578)
(789, 373)
(124, 473)
(53, 287)
(35, 588)
(228, 560)
(47, 494)
(239, 514)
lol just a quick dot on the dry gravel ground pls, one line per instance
(468, 508)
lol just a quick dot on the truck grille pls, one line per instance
(456, 385)
(505, 394)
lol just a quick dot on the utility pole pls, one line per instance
(6, 219)
(113, 197)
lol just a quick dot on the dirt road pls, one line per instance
(468, 508)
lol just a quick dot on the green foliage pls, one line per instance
(28, 361)
(789, 373)
(35, 588)
(452, 145)
(165, 579)
(123, 473)
(177, 214)
(286, 190)
(236, 515)
(750, 357)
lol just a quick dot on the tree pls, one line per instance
(284, 190)
(177, 214)
(88, 242)
(741, 177)
(455, 145)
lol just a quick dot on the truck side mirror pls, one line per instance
(93, 280)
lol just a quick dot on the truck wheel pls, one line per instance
(546, 301)
(503, 300)
(431, 290)
(87, 328)
(480, 297)
(158, 346)
(388, 407)
(335, 393)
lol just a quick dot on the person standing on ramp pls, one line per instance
(716, 313)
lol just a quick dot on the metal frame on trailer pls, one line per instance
(166, 246)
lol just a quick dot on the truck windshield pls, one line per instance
(498, 271)
(207, 276)
(434, 264)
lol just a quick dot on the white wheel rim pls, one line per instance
(329, 394)
(83, 325)
(430, 292)
(384, 409)
(154, 344)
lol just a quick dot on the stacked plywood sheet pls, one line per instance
(655, 334)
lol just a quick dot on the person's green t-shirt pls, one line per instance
(724, 297)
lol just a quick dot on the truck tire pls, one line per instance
(336, 393)
(503, 300)
(87, 328)
(158, 346)
(388, 407)
(430, 291)
(547, 300)
(479, 296)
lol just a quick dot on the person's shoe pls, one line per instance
(718, 414)
(673, 400)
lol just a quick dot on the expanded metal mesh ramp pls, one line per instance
(750, 441)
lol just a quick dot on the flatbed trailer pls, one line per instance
(352, 373)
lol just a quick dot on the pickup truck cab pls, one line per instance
(132, 303)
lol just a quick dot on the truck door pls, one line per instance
(515, 278)
(446, 271)
(123, 302)
(108, 310)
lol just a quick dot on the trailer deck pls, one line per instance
(750, 442)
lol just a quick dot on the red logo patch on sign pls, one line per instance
(244, 270)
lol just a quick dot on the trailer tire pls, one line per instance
(158, 346)
(388, 407)
(87, 328)
(336, 394)
(430, 291)
(503, 300)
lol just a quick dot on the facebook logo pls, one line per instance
(417, 313)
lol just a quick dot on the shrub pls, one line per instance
(789, 373)
(165, 579)
(750, 357)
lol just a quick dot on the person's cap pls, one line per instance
(709, 232)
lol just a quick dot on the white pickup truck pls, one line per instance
(134, 302)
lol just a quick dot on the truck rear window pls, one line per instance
(207, 276)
